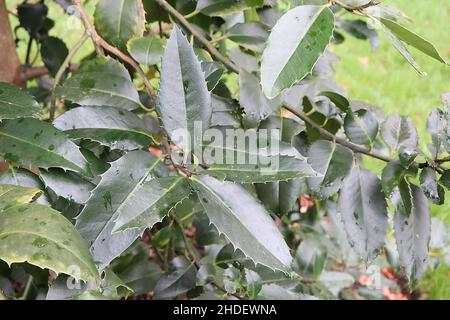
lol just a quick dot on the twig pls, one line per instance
(329, 136)
(357, 148)
(443, 160)
(369, 4)
(101, 44)
(26, 291)
(214, 52)
(228, 293)
(191, 256)
(27, 57)
(61, 70)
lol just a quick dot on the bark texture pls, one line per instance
(10, 67)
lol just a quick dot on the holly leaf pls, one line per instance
(29, 141)
(44, 237)
(399, 131)
(15, 103)
(295, 44)
(109, 126)
(244, 221)
(364, 212)
(184, 99)
(117, 21)
(412, 233)
(413, 39)
(119, 190)
(101, 82)
(146, 50)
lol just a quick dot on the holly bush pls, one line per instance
(202, 150)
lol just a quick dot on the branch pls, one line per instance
(191, 256)
(214, 52)
(331, 137)
(369, 4)
(101, 44)
(357, 148)
(61, 71)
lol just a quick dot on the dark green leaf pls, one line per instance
(213, 72)
(412, 233)
(392, 175)
(295, 44)
(405, 202)
(398, 131)
(255, 166)
(181, 280)
(136, 270)
(159, 196)
(445, 179)
(339, 100)
(244, 221)
(116, 193)
(40, 145)
(67, 185)
(146, 50)
(436, 127)
(250, 35)
(257, 107)
(53, 52)
(117, 21)
(15, 103)
(113, 127)
(361, 30)
(224, 111)
(280, 197)
(223, 7)
(101, 82)
(331, 160)
(364, 212)
(430, 187)
(361, 127)
(184, 98)
(398, 44)
(413, 39)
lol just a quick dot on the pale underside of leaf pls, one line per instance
(413, 234)
(363, 208)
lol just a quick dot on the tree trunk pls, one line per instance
(10, 67)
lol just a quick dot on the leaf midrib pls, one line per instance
(301, 38)
(171, 187)
(237, 219)
(126, 198)
(110, 93)
(41, 147)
